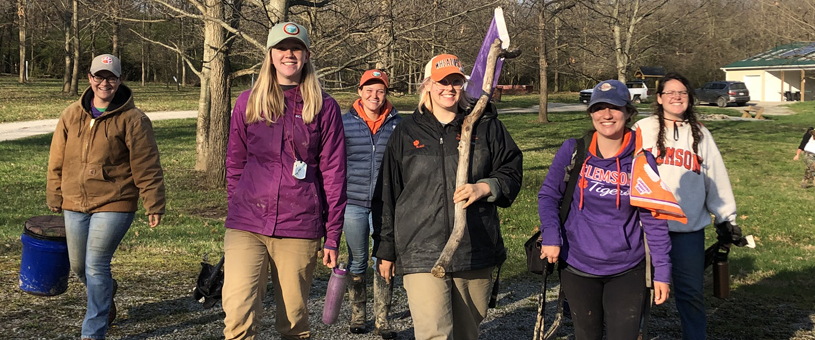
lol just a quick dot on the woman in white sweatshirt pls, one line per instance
(692, 167)
(809, 155)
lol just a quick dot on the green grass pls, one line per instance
(43, 98)
(771, 285)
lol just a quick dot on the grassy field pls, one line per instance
(43, 99)
(771, 286)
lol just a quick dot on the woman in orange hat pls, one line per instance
(368, 127)
(415, 215)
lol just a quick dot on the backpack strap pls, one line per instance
(571, 177)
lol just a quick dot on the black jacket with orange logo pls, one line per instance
(413, 210)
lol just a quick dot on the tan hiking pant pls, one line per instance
(246, 272)
(450, 308)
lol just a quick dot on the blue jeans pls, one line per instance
(358, 228)
(687, 273)
(92, 239)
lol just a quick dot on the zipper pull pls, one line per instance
(92, 120)
(441, 140)
(373, 147)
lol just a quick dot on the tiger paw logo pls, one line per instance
(107, 60)
(417, 144)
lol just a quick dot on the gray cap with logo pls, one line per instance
(106, 62)
(287, 30)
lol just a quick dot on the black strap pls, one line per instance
(571, 178)
(578, 157)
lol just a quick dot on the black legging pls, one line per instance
(616, 300)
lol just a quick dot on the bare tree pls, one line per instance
(21, 10)
(75, 46)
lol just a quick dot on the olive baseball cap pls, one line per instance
(106, 62)
(287, 30)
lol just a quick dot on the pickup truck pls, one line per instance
(637, 89)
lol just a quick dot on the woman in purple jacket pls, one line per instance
(286, 189)
(601, 241)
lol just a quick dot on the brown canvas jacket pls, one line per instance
(105, 164)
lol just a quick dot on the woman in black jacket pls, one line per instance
(415, 215)
(808, 147)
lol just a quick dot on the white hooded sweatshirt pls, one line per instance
(701, 190)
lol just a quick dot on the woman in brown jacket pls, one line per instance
(103, 157)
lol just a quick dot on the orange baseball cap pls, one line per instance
(442, 66)
(373, 75)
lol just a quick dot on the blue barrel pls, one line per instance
(45, 267)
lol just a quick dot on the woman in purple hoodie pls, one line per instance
(285, 171)
(601, 242)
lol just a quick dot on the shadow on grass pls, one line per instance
(153, 318)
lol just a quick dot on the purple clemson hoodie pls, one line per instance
(602, 233)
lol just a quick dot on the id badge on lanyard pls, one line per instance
(299, 167)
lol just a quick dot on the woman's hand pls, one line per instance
(795, 158)
(330, 257)
(386, 269)
(55, 209)
(551, 253)
(155, 220)
(471, 193)
(661, 290)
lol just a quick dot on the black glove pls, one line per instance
(729, 233)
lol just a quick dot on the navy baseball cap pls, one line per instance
(612, 91)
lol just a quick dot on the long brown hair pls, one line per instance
(689, 115)
(267, 94)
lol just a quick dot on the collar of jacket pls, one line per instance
(425, 116)
(294, 94)
(122, 101)
(355, 113)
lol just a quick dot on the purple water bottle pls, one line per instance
(334, 294)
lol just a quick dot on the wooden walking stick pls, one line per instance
(460, 223)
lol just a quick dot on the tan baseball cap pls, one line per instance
(287, 30)
(106, 62)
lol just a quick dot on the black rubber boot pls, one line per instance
(383, 291)
(357, 295)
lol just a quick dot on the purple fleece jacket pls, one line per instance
(264, 197)
(602, 237)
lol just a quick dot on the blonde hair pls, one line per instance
(267, 94)
(464, 99)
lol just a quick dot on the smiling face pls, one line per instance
(674, 99)
(288, 57)
(446, 93)
(104, 85)
(373, 97)
(609, 120)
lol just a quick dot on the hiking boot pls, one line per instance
(112, 313)
(357, 295)
(383, 291)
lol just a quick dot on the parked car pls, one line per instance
(722, 93)
(637, 89)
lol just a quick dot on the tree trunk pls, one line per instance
(219, 113)
(556, 56)
(66, 76)
(202, 126)
(278, 9)
(75, 40)
(114, 37)
(21, 9)
(543, 110)
(383, 36)
(622, 58)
